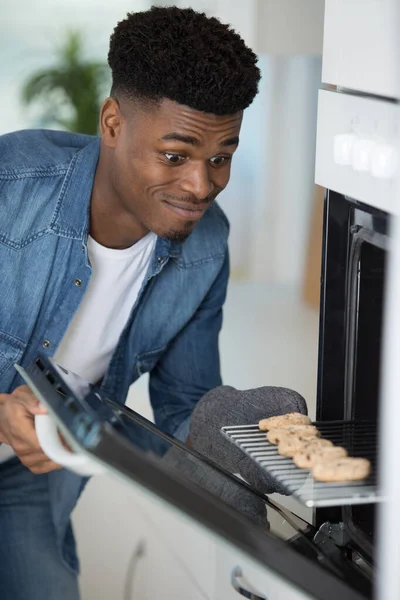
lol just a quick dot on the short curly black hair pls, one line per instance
(185, 56)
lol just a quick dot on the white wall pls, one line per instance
(285, 187)
(242, 16)
(270, 196)
(290, 27)
(29, 31)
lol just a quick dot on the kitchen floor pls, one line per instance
(269, 337)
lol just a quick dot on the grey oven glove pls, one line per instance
(226, 489)
(226, 405)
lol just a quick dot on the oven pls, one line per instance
(357, 162)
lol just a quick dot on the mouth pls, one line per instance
(186, 211)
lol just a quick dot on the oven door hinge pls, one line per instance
(331, 536)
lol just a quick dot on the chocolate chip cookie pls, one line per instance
(320, 451)
(275, 436)
(284, 421)
(344, 469)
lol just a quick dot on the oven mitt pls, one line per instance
(229, 491)
(227, 406)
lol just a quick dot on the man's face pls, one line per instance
(169, 162)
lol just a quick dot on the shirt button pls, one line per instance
(46, 344)
(160, 259)
(78, 282)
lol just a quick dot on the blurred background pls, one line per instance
(54, 74)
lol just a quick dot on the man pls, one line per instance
(114, 259)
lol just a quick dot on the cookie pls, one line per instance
(289, 446)
(280, 433)
(322, 451)
(284, 421)
(344, 469)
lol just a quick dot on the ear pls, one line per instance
(110, 122)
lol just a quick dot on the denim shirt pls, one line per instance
(46, 180)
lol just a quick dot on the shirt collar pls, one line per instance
(73, 208)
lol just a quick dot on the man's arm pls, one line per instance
(191, 366)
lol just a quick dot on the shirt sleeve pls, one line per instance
(190, 367)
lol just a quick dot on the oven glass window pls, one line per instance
(368, 333)
(367, 304)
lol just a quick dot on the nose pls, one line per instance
(196, 181)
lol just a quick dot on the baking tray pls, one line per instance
(358, 437)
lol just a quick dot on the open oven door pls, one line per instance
(252, 554)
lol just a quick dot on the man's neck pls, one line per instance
(110, 224)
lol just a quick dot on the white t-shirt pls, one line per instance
(117, 276)
(92, 335)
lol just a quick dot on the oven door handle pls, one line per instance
(238, 583)
(49, 440)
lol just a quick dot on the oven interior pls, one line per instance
(352, 298)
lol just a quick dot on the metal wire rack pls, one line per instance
(358, 437)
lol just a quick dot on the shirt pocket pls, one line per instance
(11, 350)
(148, 360)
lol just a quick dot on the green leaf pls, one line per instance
(72, 85)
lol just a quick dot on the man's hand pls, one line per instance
(17, 428)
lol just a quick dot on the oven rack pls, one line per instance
(358, 437)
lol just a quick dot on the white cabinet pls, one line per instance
(234, 569)
(134, 545)
(361, 46)
(108, 528)
(190, 547)
(158, 571)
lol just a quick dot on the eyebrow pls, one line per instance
(188, 139)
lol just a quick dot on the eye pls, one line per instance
(218, 161)
(174, 159)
